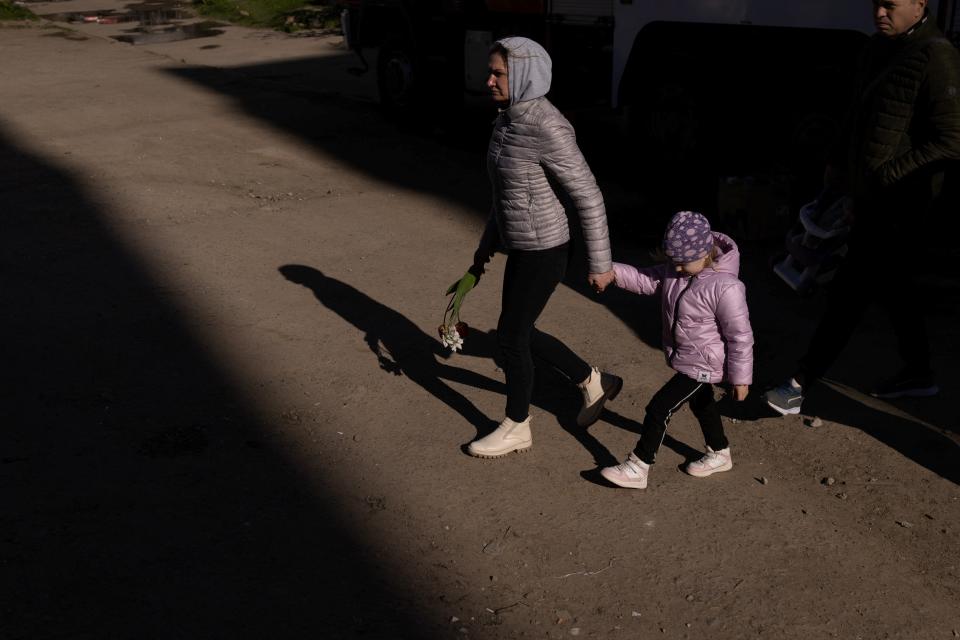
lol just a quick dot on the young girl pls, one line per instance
(706, 337)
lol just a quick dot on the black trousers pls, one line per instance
(529, 280)
(679, 390)
(860, 282)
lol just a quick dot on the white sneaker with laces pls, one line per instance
(711, 462)
(632, 474)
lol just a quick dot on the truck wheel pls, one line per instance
(397, 77)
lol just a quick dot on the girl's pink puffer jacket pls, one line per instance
(706, 324)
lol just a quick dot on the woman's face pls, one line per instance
(498, 82)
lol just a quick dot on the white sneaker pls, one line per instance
(712, 462)
(508, 437)
(632, 474)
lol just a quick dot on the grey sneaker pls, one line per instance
(785, 399)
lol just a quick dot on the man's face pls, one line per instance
(893, 17)
(498, 81)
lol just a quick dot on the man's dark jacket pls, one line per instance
(903, 130)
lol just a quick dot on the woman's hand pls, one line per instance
(600, 281)
(740, 392)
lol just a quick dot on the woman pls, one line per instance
(533, 152)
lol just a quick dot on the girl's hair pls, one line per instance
(498, 48)
(711, 257)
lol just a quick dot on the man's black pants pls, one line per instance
(866, 277)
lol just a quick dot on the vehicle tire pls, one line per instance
(397, 77)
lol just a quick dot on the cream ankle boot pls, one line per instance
(509, 436)
(597, 389)
(591, 388)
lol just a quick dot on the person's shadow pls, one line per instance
(400, 346)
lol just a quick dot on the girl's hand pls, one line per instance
(740, 392)
(600, 281)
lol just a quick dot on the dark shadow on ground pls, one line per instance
(929, 447)
(144, 493)
(400, 346)
(783, 324)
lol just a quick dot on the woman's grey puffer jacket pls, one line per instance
(533, 151)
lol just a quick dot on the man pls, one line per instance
(902, 132)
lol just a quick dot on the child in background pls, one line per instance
(707, 339)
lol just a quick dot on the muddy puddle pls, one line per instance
(151, 23)
(142, 14)
(171, 33)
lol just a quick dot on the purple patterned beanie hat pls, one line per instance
(688, 237)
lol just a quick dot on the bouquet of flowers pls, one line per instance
(453, 330)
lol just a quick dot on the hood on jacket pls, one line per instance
(728, 255)
(529, 68)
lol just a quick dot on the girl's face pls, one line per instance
(691, 268)
(497, 79)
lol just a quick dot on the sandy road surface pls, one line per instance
(225, 413)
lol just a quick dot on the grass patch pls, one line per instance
(10, 11)
(286, 15)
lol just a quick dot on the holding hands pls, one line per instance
(600, 281)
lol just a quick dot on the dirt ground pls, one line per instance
(226, 414)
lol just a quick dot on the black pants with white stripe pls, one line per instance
(666, 402)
